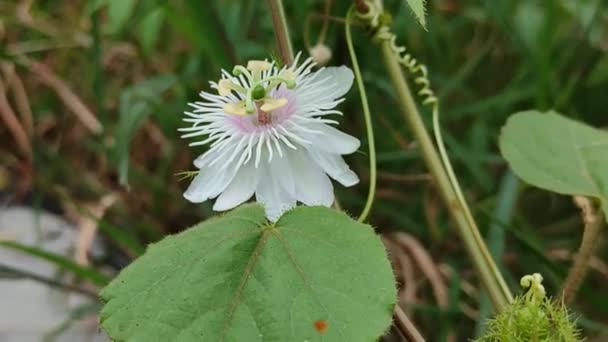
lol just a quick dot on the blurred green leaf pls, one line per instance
(86, 273)
(418, 7)
(315, 275)
(555, 153)
(136, 104)
(119, 12)
(150, 28)
(7, 272)
(599, 74)
(201, 24)
(122, 238)
(94, 5)
(529, 21)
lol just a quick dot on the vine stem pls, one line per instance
(487, 269)
(281, 30)
(594, 222)
(368, 121)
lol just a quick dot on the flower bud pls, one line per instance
(321, 54)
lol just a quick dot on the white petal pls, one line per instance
(342, 78)
(313, 187)
(334, 166)
(240, 189)
(205, 158)
(209, 183)
(332, 140)
(276, 188)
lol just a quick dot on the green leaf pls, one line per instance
(136, 104)
(119, 13)
(62, 262)
(529, 22)
(599, 74)
(200, 22)
(555, 153)
(149, 29)
(418, 7)
(239, 278)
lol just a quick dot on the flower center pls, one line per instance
(257, 95)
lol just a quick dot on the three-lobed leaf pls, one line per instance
(315, 275)
(559, 154)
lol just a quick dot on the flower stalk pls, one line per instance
(488, 271)
(281, 31)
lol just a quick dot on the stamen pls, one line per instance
(257, 67)
(225, 87)
(239, 70)
(288, 74)
(235, 108)
(273, 104)
(276, 80)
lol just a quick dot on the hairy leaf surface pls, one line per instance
(418, 7)
(315, 275)
(558, 154)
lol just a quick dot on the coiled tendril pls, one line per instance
(379, 24)
(382, 32)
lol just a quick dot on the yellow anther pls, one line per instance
(288, 74)
(258, 66)
(289, 77)
(272, 104)
(235, 108)
(225, 87)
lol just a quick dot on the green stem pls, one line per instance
(505, 205)
(489, 274)
(368, 121)
(281, 31)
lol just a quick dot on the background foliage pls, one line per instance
(107, 81)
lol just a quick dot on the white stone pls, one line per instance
(30, 310)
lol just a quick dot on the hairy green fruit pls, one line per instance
(532, 317)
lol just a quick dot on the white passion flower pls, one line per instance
(269, 135)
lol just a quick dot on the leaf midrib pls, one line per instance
(244, 279)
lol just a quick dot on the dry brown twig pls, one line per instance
(430, 270)
(426, 265)
(595, 263)
(407, 326)
(88, 224)
(14, 126)
(403, 268)
(593, 220)
(14, 82)
(69, 98)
